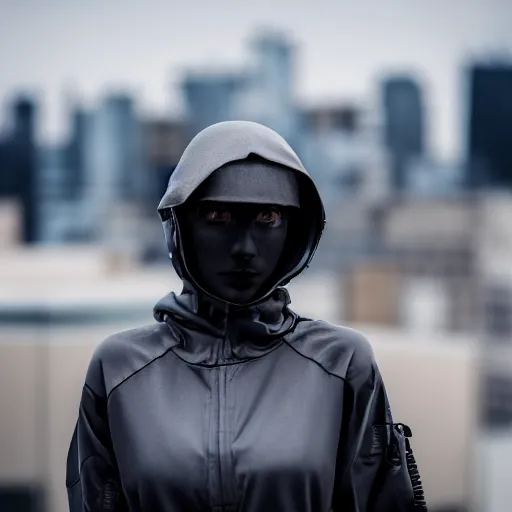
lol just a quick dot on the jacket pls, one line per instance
(214, 408)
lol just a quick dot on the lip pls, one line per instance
(241, 273)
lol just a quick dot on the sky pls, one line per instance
(54, 47)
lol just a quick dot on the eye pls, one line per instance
(217, 216)
(269, 218)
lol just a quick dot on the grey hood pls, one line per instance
(232, 141)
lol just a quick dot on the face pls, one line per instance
(232, 249)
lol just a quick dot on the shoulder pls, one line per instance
(125, 352)
(340, 351)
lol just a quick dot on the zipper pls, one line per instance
(222, 434)
(420, 503)
(228, 482)
(219, 429)
(222, 482)
(214, 469)
(227, 488)
(412, 468)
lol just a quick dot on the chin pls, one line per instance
(240, 296)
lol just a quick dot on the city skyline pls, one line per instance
(147, 53)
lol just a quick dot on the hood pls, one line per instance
(258, 325)
(230, 141)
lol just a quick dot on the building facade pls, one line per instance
(489, 151)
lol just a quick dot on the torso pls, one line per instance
(250, 436)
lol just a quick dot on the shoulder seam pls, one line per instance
(314, 361)
(137, 371)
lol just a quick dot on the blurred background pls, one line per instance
(402, 113)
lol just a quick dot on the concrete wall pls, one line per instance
(372, 294)
(433, 387)
(40, 387)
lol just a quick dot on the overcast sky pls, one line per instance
(53, 45)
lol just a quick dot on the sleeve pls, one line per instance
(376, 471)
(92, 478)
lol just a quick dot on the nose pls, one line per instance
(244, 246)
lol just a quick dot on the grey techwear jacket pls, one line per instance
(220, 408)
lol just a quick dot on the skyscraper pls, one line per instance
(490, 126)
(403, 124)
(75, 153)
(209, 98)
(114, 161)
(267, 96)
(18, 164)
(58, 213)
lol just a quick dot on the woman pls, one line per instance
(231, 401)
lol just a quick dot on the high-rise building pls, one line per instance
(59, 214)
(114, 160)
(18, 164)
(490, 126)
(267, 96)
(209, 98)
(346, 159)
(331, 149)
(75, 153)
(61, 185)
(9, 180)
(403, 124)
(343, 154)
(263, 92)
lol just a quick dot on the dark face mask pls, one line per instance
(232, 249)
